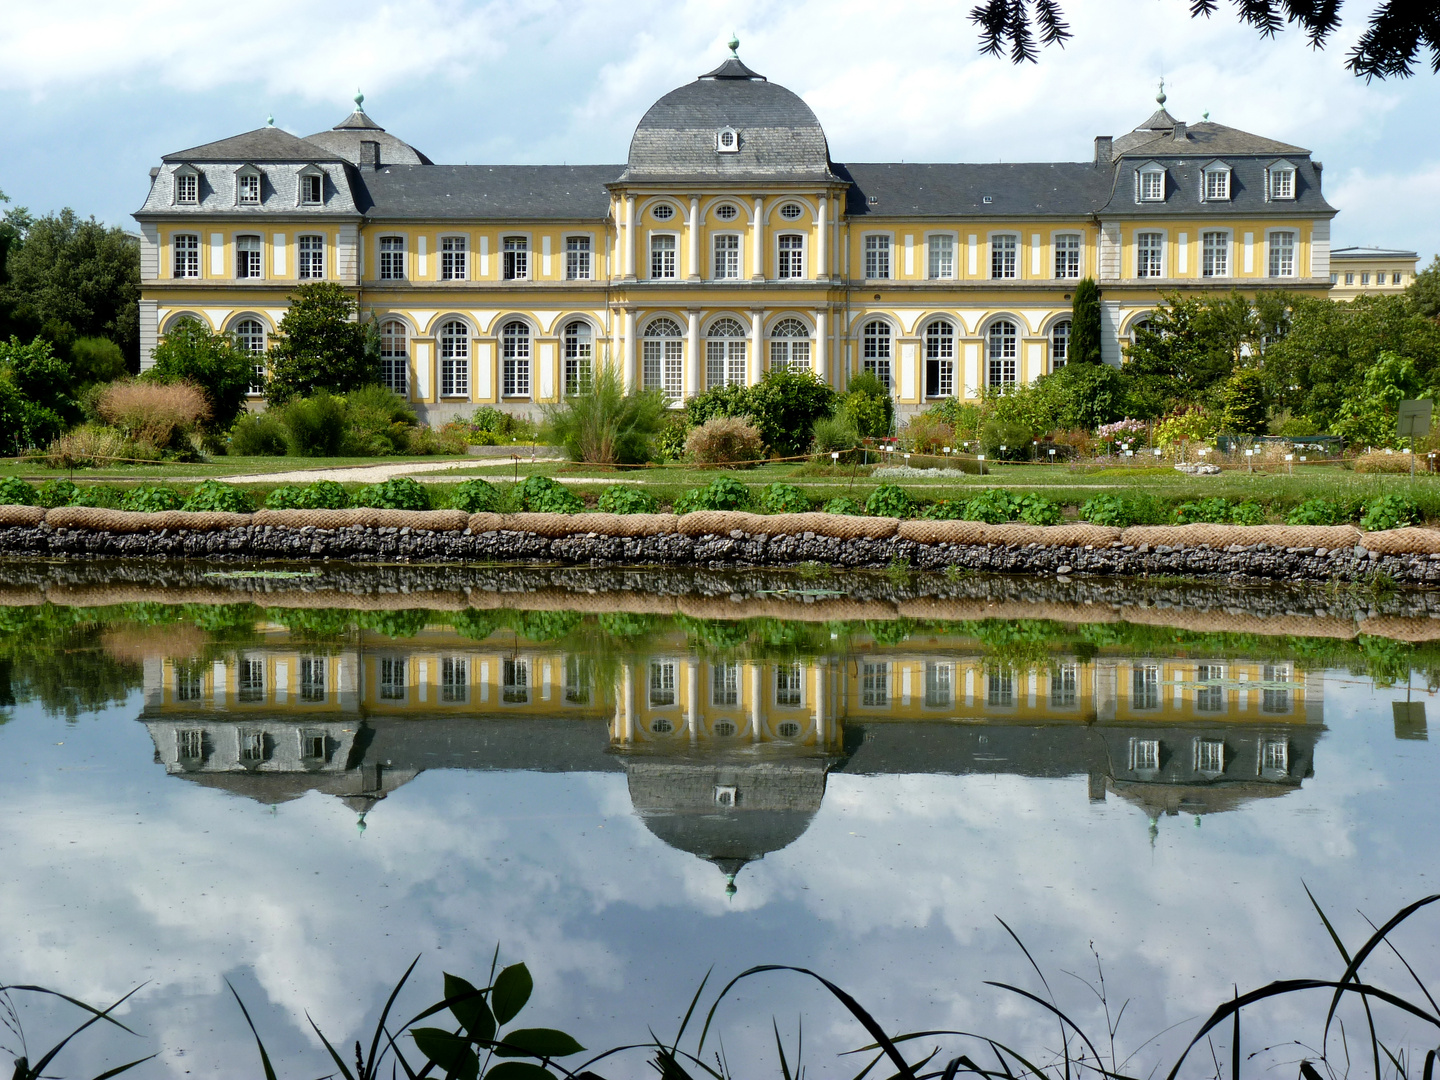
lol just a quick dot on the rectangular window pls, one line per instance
(1002, 256)
(578, 680)
(662, 684)
(251, 681)
(1209, 756)
(455, 679)
(792, 256)
(790, 686)
(515, 682)
(312, 189)
(1216, 261)
(312, 678)
(1152, 186)
(727, 256)
(875, 685)
(1282, 183)
(1064, 686)
(1149, 254)
(1144, 755)
(1365, 278)
(191, 743)
(516, 264)
(392, 679)
(1394, 279)
(577, 258)
(454, 264)
(662, 256)
(392, 258)
(578, 359)
(877, 257)
(939, 685)
(725, 684)
(187, 188)
(394, 357)
(1145, 687)
(663, 365)
(247, 257)
(514, 366)
(254, 746)
(1217, 185)
(311, 257)
(1067, 256)
(312, 745)
(1334, 279)
(942, 257)
(249, 186)
(724, 363)
(1275, 756)
(186, 255)
(1276, 699)
(189, 683)
(1350, 279)
(1000, 689)
(1282, 254)
(1210, 694)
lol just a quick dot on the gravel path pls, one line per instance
(366, 474)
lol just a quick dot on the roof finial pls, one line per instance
(734, 45)
(270, 120)
(1160, 97)
(1205, 115)
(359, 101)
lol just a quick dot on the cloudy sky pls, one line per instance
(93, 92)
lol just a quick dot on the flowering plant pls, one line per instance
(1121, 429)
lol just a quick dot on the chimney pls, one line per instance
(1319, 168)
(1180, 131)
(1104, 149)
(370, 154)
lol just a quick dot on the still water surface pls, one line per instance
(302, 802)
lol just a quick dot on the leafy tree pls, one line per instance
(783, 406)
(41, 378)
(1397, 34)
(95, 360)
(213, 362)
(1368, 416)
(71, 279)
(1084, 324)
(1424, 291)
(320, 346)
(1189, 349)
(1245, 405)
(1082, 396)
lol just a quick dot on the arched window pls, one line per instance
(875, 350)
(250, 336)
(1003, 351)
(725, 354)
(515, 359)
(662, 355)
(394, 355)
(790, 346)
(1059, 344)
(579, 357)
(940, 359)
(454, 359)
(1142, 323)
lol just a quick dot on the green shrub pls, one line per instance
(669, 443)
(606, 425)
(397, 493)
(1215, 510)
(55, 493)
(542, 495)
(835, 433)
(285, 497)
(1316, 512)
(993, 506)
(843, 504)
(1389, 512)
(315, 426)
(890, 500)
(14, 491)
(781, 498)
(868, 401)
(379, 421)
(1248, 512)
(257, 435)
(320, 495)
(1107, 510)
(104, 496)
(945, 510)
(722, 493)
(1038, 510)
(215, 497)
(151, 498)
(783, 406)
(626, 499)
(475, 497)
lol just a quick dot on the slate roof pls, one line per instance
(780, 137)
(262, 144)
(1247, 187)
(487, 192)
(1205, 139)
(345, 139)
(1370, 253)
(1063, 189)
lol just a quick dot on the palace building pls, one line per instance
(728, 243)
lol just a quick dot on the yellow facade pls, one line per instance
(1363, 271)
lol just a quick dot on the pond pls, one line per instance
(301, 795)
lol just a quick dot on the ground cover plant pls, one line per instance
(625, 499)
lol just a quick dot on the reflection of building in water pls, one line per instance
(725, 758)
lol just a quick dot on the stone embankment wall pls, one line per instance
(726, 539)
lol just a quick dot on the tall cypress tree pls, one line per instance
(1085, 324)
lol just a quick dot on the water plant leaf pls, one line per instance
(535, 1042)
(124, 1068)
(519, 1070)
(339, 1061)
(264, 1056)
(512, 990)
(469, 1008)
(1354, 963)
(451, 1052)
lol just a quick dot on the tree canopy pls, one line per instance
(213, 362)
(320, 346)
(1396, 36)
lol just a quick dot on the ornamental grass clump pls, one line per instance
(397, 493)
(215, 497)
(725, 440)
(890, 500)
(779, 498)
(722, 493)
(155, 414)
(628, 499)
(605, 425)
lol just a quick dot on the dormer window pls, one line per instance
(1280, 181)
(247, 186)
(187, 186)
(1150, 183)
(727, 140)
(312, 186)
(1215, 185)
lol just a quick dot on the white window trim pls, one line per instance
(530, 254)
(565, 239)
(955, 251)
(405, 245)
(325, 256)
(250, 170)
(739, 253)
(472, 336)
(990, 239)
(309, 170)
(184, 170)
(1210, 170)
(1294, 254)
(440, 239)
(1280, 167)
(235, 256)
(734, 148)
(1229, 252)
(1150, 168)
(199, 260)
(1164, 251)
(650, 236)
(498, 331)
(1056, 236)
(648, 209)
(790, 229)
(864, 237)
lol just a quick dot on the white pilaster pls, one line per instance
(695, 369)
(630, 237)
(757, 270)
(822, 250)
(692, 699)
(692, 270)
(822, 371)
(757, 342)
(629, 373)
